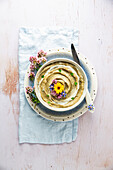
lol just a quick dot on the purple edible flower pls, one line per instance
(90, 107)
(64, 94)
(51, 87)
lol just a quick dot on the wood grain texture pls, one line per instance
(93, 148)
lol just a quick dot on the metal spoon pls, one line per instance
(89, 102)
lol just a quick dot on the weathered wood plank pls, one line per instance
(93, 149)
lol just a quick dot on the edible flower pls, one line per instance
(59, 96)
(54, 81)
(51, 87)
(63, 94)
(90, 107)
(53, 93)
(58, 88)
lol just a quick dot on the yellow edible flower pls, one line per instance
(58, 87)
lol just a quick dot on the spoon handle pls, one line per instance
(89, 102)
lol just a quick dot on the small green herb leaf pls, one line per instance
(48, 102)
(42, 76)
(47, 95)
(75, 83)
(72, 98)
(60, 70)
(71, 74)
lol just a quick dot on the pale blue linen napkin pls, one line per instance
(32, 127)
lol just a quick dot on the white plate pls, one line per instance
(77, 111)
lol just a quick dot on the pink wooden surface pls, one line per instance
(93, 148)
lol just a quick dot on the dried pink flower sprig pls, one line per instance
(32, 66)
(41, 53)
(29, 89)
(31, 92)
(31, 76)
(33, 59)
(36, 63)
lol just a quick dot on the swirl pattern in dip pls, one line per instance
(67, 75)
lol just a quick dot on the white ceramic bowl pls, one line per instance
(51, 62)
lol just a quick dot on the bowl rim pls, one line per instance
(37, 91)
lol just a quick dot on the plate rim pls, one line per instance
(76, 114)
